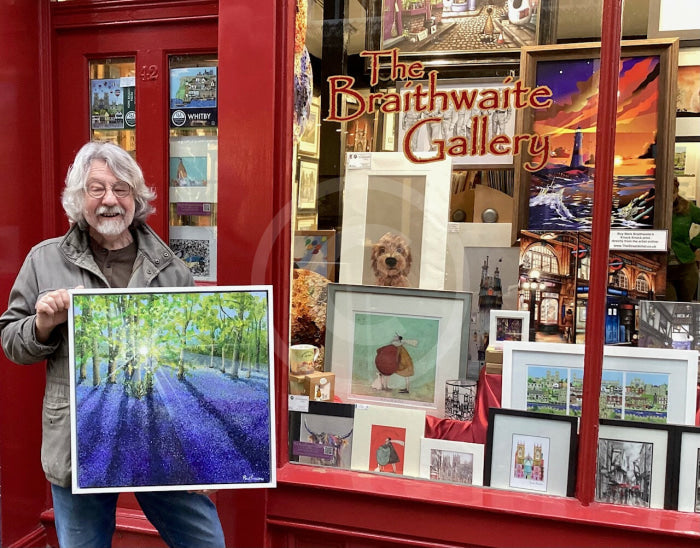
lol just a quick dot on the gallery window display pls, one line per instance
(454, 155)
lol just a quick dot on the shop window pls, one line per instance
(642, 284)
(356, 202)
(619, 279)
(542, 258)
(113, 102)
(192, 164)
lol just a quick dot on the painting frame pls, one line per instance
(308, 185)
(367, 417)
(326, 248)
(141, 386)
(309, 142)
(545, 33)
(532, 56)
(330, 431)
(446, 85)
(359, 318)
(476, 450)
(660, 439)
(679, 366)
(200, 152)
(660, 27)
(687, 123)
(508, 427)
(495, 326)
(685, 488)
(371, 209)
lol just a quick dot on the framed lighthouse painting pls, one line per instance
(554, 188)
(396, 346)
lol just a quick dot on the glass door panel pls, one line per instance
(192, 162)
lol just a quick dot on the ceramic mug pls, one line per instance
(302, 358)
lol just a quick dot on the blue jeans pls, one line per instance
(184, 520)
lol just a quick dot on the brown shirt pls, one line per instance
(115, 264)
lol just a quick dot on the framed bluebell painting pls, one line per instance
(171, 389)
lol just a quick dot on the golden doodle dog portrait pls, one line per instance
(391, 260)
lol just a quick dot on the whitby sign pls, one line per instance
(425, 99)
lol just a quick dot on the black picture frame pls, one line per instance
(322, 409)
(644, 433)
(501, 429)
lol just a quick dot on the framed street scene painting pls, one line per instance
(396, 346)
(171, 389)
(448, 30)
(452, 461)
(508, 325)
(633, 464)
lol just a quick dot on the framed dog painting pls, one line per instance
(396, 346)
(388, 194)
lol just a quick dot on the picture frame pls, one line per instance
(196, 245)
(458, 123)
(193, 169)
(508, 325)
(651, 62)
(322, 435)
(531, 452)
(373, 425)
(308, 184)
(658, 372)
(634, 464)
(315, 250)
(306, 221)
(429, 44)
(125, 381)
(309, 142)
(452, 461)
(669, 19)
(426, 332)
(193, 105)
(685, 488)
(386, 193)
(688, 100)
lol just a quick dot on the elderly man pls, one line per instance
(108, 245)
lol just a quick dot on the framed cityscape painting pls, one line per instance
(636, 385)
(634, 464)
(159, 379)
(452, 461)
(558, 194)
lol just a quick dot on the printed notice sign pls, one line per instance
(638, 240)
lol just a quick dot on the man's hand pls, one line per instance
(51, 310)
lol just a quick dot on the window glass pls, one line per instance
(113, 102)
(192, 164)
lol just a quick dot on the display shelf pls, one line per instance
(445, 513)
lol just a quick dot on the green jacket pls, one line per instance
(66, 263)
(681, 244)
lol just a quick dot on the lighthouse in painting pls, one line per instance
(576, 158)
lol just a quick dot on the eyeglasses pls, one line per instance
(120, 190)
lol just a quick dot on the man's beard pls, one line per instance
(111, 226)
